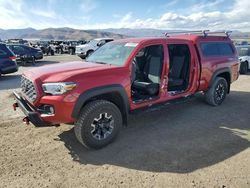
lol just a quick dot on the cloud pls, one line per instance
(11, 14)
(171, 3)
(237, 18)
(127, 17)
(204, 15)
(206, 5)
(88, 6)
(47, 14)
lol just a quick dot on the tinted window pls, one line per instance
(216, 49)
(18, 49)
(2, 52)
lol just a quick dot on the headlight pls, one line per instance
(58, 88)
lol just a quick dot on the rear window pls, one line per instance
(4, 50)
(217, 49)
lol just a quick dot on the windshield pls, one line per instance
(93, 42)
(243, 51)
(112, 53)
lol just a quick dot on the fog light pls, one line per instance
(46, 109)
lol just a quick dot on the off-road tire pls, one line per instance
(83, 126)
(244, 67)
(219, 84)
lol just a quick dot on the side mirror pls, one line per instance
(100, 43)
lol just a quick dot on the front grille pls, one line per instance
(28, 89)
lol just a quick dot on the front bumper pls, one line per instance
(29, 111)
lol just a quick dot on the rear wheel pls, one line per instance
(244, 67)
(98, 124)
(217, 92)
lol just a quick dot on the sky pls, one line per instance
(102, 14)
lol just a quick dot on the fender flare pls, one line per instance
(220, 71)
(94, 92)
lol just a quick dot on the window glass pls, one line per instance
(225, 49)
(112, 53)
(18, 49)
(216, 49)
(2, 52)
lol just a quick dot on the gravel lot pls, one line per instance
(188, 144)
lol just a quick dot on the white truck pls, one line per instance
(244, 57)
(86, 49)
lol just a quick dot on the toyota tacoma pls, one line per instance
(126, 75)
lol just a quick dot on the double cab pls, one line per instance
(125, 75)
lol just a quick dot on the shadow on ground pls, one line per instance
(178, 138)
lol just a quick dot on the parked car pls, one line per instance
(47, 48)
(69, 46)
(57, 46)
(244, 57)
(86, 49)
(72, 46)
(124, 76)
(25, 53)
(7, 60)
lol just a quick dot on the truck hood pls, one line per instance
(63, 71)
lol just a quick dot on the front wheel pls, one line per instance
(217, 92)
(98, 124)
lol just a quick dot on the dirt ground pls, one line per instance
(188, 144)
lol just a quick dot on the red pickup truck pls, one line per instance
(98, 95)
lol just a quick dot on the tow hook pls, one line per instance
(26, 120)
(15, 105)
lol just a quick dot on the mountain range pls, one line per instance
(66, 33)
(56, 34)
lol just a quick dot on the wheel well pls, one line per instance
(227, 77)
(115, 98)
(90, 51)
